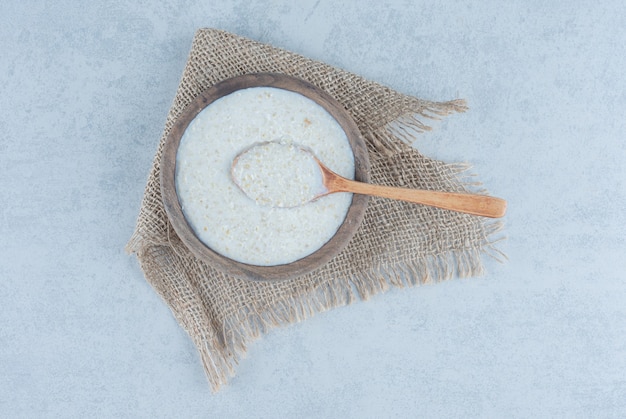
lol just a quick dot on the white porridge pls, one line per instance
(279, 174)
(225, 218)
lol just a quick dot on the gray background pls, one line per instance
(84, 92)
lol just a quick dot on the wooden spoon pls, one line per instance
(486, 206)
(482, 205)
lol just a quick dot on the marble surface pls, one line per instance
(85, 91)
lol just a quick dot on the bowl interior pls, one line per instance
(233, 267)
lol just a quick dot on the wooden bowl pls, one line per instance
(173, 208)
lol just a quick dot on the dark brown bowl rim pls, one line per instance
(309, 263)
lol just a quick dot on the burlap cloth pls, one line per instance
(398, 244)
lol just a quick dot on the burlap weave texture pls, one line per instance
(398, 243)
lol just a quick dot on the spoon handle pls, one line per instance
(486, 206)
